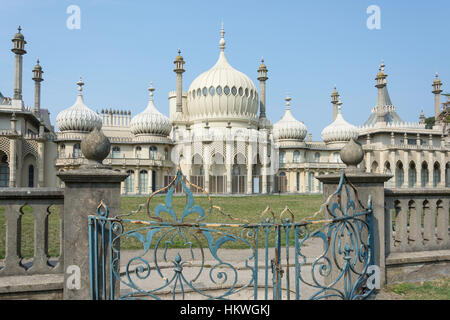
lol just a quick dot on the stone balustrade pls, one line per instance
(417, 220)
(13, 200)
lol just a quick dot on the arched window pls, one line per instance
(76, 150)
(4, 170)
(143, 181)
(424, 176)
(374, 167)
(129, 182)
(152, 153)
(298, 181)
(447, 175)
(399, 175)
(311, 182)
(138, 152)
(436, 174)
(31, 176)
(412, 175)
(116, 152)
(296, 156)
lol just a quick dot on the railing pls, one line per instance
(41, 202)
(417, 220)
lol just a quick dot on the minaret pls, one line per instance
(179, 63)
(262, 77)
(381, 85)
(334, 102)
(37, 77)
(437, 97)
(19, 50)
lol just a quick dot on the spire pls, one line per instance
(222, 40)
(334, 101)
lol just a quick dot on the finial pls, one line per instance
(151, 89)
(37, 61)
(19, 29)
(80, 86)
(222, 40)
(288, 103)
(262, 59)
(339, 104)
(179, 52)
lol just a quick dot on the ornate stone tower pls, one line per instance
(37, 78)
(19, 50)
(262, 77)
(381, 85)
(334, 102)
(437, 84)
(179, 63)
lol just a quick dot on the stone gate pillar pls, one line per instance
(84, 189)
(367, 184)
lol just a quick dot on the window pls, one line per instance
(241, 91)
(251, 94)
(399, 175)
(296, 156)
(166, 154)
(211, 91)
(152, 153)
(129, 182)
(4, 170)
(77, 150)
(205, 91)
(246, 92)
(436, 174)
(138, 152)
(424, 175)
(282, 156)
(336, 157)
(219, 90)
(226, 90)
(317, 157)
(143, 181)
(199, 92)
(234, 91)
(298, 181)
(31, 176)
(62, 151)
(116, 152)
(412, 176)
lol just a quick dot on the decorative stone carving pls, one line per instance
(352, 154)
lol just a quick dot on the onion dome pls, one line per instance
(223, 93)
(150, 121)
(78, 117)
(289, 127)
(339, 130)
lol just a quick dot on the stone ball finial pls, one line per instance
(352, 154)
(95, 147)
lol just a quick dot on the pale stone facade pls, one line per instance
(217, 132)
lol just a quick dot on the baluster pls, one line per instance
(442, 222)
(60, 265)
(40, 259)
(400, 224)
(13, 258)
(389, 231)
(414, 235)
(428, 224)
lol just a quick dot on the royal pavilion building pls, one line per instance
(218, 134)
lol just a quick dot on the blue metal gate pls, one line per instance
(183, 256)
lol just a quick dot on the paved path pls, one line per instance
(213, 278)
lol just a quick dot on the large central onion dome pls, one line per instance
(150, 121)
(339, 130)
(78, 117)
(289, 127)
(222, 93)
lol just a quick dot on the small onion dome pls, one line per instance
(436, 80)
(289, 127)
(339, 130)
(78, 117)
(150, 121)
(19, 35)
(37, 66)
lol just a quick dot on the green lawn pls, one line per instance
(438, 289)
(239, 207)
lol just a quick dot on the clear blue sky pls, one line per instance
(308, 47)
